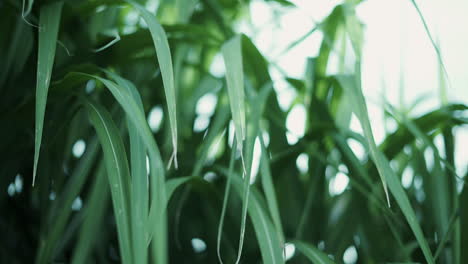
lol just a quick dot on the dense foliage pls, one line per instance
(87, 74)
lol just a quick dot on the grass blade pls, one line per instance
(436, 182)
(445, 238)
(267, 236)
(232, 54)
(61, 210)
(269, 189)
(434, 44)
(157, 217)
(165, 64)
(94, 215)
(313, 254)
(48, 31)
(117, 172)
(217, 127)
(139, 197)
(225, 200)
(352, 87)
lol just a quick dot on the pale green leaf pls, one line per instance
(352, 87)
(232, 54)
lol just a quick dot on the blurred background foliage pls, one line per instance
(318, 195)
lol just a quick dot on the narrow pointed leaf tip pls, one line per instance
(232, 54)
(163, 53)
(49, 21)
(353, 88)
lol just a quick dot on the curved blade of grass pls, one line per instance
(269, 189)
(267, 236)
(434, 44)
(139, 197)
(94, 216)
(117, 172)
(165, 64)
(232, 54)
(257, 109)
(352, 87)
(395, 142)
(157, 216)
(173, 184)
(61, 210)
(49, 20)
(267, 180)
(438, 184)
(217, 126)
(354, 29)
(447, 234)
(312, 253)
(28, 7)
(257, 104)
(26, 10)
(225, 200)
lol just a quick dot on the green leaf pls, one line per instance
(165, 64)
(267, 236)
(95, 213)
(157, 216)
(139, 197)
(25, 12)
(352, 87)
(437, 182)
(232, 54)
(173, 184)
(117, 172)
(218, 125)
(61, 210)
(225, 201)
(434, 44)
(312, 253)
(48, 31)
(269, 189)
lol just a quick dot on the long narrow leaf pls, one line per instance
(232, 53)
(61, 210)
(267, 236)
(48, 30)
(312, 253)
(94, 216)
(353, 89)
(139, 197)
(225, 201)
(117, 172)
(165, 64)
(269, 189)
(157, 217)
(434, 44)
